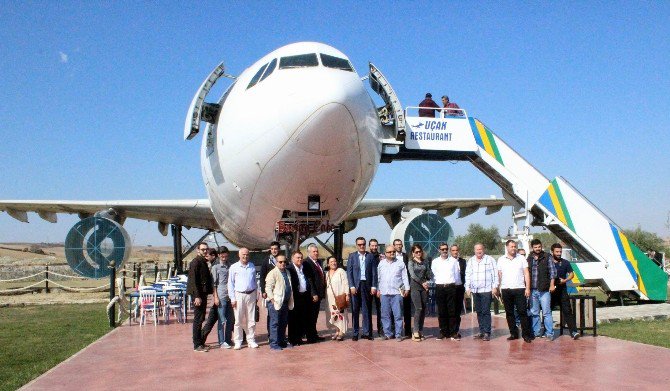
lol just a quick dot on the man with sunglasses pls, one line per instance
(362, 276)
(447, 274)
(393, 286)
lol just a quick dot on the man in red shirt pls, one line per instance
(450, 105)
(426, 104)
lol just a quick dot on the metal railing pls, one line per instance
(442, 112)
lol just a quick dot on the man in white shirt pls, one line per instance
(447, 274)
(515, 289)
(242, 291)
(481, 279)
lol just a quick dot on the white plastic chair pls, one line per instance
(148, 304)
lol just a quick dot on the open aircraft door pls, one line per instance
(392, 113)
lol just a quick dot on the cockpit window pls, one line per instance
(257, 76)
(269, 69)
(299, 61)
(336, 62)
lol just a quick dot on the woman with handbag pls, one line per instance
(337, 289)
(419, 275)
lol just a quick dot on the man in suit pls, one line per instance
(406, 301)
(373, 245)
(303, 294)
(199, 287)
(313, 267)
(454, 252)
(266, 267)
(362, 276)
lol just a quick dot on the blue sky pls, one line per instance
(94, 95)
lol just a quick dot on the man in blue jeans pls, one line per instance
(222, 301)
(542, 275)
(481, 279)
(393, 287)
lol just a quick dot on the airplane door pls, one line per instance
(392, 114)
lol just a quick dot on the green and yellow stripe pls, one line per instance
(552, 199)
(485, 139)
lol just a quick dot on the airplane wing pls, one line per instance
(443, 206)
(189, 213)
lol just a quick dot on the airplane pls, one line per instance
(288, 152)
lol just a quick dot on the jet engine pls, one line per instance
(94, 243)
(427, 229)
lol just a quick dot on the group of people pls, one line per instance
(394, 281)
(428, 107)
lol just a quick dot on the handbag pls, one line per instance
(340, 300)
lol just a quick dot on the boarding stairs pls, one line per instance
(606, 257)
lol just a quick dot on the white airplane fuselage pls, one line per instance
(300, 131)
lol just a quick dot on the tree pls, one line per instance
(489, 237)
(646, 240)
(547, 239)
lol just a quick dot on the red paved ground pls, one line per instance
(131, 357)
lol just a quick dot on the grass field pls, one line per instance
(653, 332)
(36, 338)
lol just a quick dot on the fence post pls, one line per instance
(156, 272)
(46, 274)
(112, 292)
(139, 273)
(124, 279)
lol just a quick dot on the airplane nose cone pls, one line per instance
(330, 130)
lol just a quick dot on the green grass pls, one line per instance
(652, 332)
(34, 339)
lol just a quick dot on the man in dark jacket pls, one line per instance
(198, 287)
(406, 301)
(304, 293)
(315, 270)
(542, 276)
(266, 267)
(429, 107)
(560, 296)
(454, 251)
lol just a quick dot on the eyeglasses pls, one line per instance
(444, 249)
(418, 252)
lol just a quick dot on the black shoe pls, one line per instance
(486, 337)
(478, 336)
(456, 337)
(320, 338)
(201, 349)
(575, 335)
(392, 337)
(440, 336)
(354, 338)
(527, 339)
(512, 337)
(368, 337)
